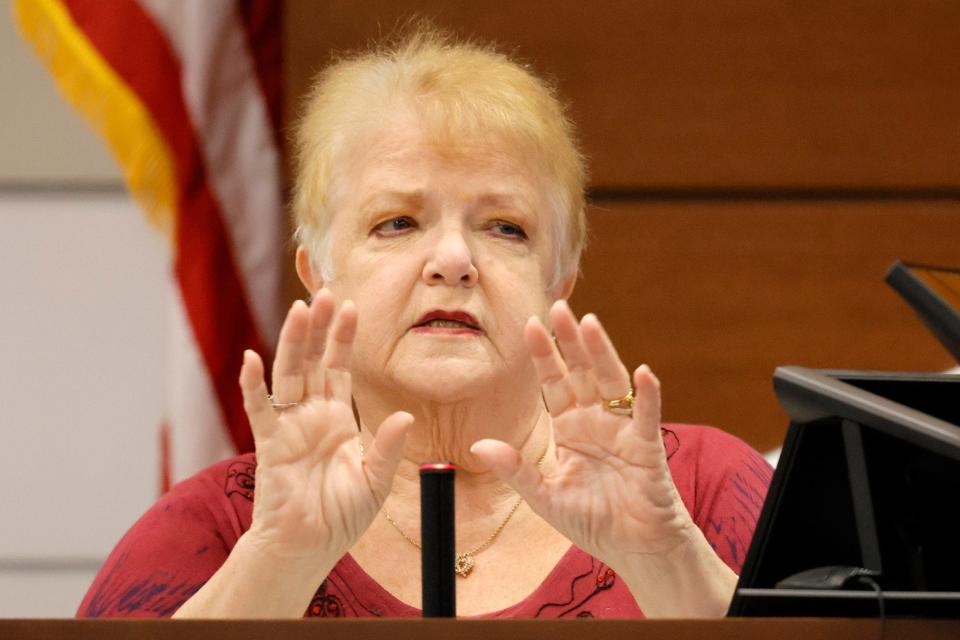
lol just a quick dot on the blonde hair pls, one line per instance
(459, 90)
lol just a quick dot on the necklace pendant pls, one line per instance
(463, 565)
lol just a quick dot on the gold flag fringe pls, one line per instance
(91, 85)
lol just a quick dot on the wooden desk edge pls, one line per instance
(394, 629)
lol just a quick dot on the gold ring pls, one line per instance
(622, 406)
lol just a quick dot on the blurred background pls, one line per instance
(756, 167)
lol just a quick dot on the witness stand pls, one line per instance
(445, 629)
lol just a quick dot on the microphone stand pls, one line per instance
(437, 547)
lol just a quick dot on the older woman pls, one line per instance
(440, 208)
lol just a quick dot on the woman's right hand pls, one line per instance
(314, 494)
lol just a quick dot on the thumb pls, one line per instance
(508, 464)
(386, 452)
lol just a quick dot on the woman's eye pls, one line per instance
(394, 226)
(509, 229)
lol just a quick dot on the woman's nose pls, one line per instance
(451, 261)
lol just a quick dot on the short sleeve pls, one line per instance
(723, 483)
(732, 485)
(174, 548)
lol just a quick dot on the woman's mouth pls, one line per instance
(448, 323)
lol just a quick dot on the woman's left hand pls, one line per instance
(611, 492)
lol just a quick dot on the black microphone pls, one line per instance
(437, 545)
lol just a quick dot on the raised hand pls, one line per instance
(611, 492)
(314, 494)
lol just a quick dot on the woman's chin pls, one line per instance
(447, 380)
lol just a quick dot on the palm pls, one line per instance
(305, 475)
(611, 491)
(313, 490)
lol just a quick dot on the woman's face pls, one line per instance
(446, 256)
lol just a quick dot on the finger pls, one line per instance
(256, 402)
(646, 405)
(613, 379)
(509, 465)
(551, 370)
(579, 365)
(339, 353)
(383, 456)
(288, 378)
(321, 313)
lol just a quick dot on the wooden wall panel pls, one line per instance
(728, 94)
(782, 102)
(713, 296)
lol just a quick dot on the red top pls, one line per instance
(184, 538)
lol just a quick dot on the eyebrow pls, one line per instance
(413, 199)
(506, 200)
(416, 199)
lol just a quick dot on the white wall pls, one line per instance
(82, 286)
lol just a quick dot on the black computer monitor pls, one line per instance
(869, 478)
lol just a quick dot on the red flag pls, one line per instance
(189, 97)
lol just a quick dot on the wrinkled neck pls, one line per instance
(445, 432)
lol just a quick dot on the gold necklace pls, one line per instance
(465, 562)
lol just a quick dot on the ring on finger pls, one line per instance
(621, 406)
(280, 406)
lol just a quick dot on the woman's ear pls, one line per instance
(564, 288)
(310, 279)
